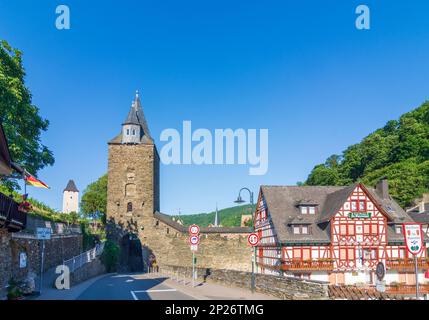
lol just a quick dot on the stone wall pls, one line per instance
(281, 287)
(11, 245)
(217, 250)
(87, 271)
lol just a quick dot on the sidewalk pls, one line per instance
(207, 291)
(49, 292)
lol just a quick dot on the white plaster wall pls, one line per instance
(320, 276)
(70, 201)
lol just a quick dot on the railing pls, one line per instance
(84, 258)
(10, 216)
(406, 263)
(407, 289)
(325, 264)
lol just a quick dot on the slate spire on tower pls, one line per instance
(134, 129)
(216, 220)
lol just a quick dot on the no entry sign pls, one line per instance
(253, 239)
(194, 229)
(194, 240)
(413, 237)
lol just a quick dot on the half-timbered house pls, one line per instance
(335, 234)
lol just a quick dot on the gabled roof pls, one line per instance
(136, 116)
(71, 186)
(283, 206)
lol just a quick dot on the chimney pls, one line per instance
(382, 188)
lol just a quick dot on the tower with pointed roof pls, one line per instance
(70, 198)
(133, 173)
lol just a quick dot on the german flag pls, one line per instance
(35, 183)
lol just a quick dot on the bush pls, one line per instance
(13, 290)
(110, 256)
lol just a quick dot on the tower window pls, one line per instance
(134, 132)
(129, 206)
(128, 132)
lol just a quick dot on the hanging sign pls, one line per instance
(413, 237)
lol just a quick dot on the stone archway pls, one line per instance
(131, 259)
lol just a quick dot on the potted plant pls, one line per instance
(13, 291)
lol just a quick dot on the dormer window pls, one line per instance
(308, 209)
(301, 229)
(398, 229)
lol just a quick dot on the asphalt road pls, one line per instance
(131, 287)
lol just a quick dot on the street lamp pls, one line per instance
(240, 200)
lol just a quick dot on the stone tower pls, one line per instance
(133, 179)
(70, 198)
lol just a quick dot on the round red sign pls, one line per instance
(194, 240)
(194, 229)
(253, 239)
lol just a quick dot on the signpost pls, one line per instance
(414, 242)
(194, 240)
(253, 240)
(42, 234)
(380, 272)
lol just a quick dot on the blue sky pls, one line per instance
(299, 68)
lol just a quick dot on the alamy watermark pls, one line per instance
(62, 21)
(226, 146)
(363, 20)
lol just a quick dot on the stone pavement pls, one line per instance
(208, 291)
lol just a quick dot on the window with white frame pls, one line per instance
(296, 229)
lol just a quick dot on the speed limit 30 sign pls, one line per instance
(253, 239)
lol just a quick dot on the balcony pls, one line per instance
(321, 264)
(11, 217)
(406, 264)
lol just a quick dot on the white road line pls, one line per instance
(154, 290)
(134, 295)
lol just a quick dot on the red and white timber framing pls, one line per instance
(356, 246)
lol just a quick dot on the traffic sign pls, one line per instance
(194, 229)
(43, 233)
(194, 247)
(253, 239)
(194, 240)
(413, 237)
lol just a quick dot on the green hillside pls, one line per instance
(398, 151)
(229, 217)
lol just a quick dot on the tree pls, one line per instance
(399, 151)
(94, 199)
(20, 118)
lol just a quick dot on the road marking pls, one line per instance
(133, 293)
(134, 296)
